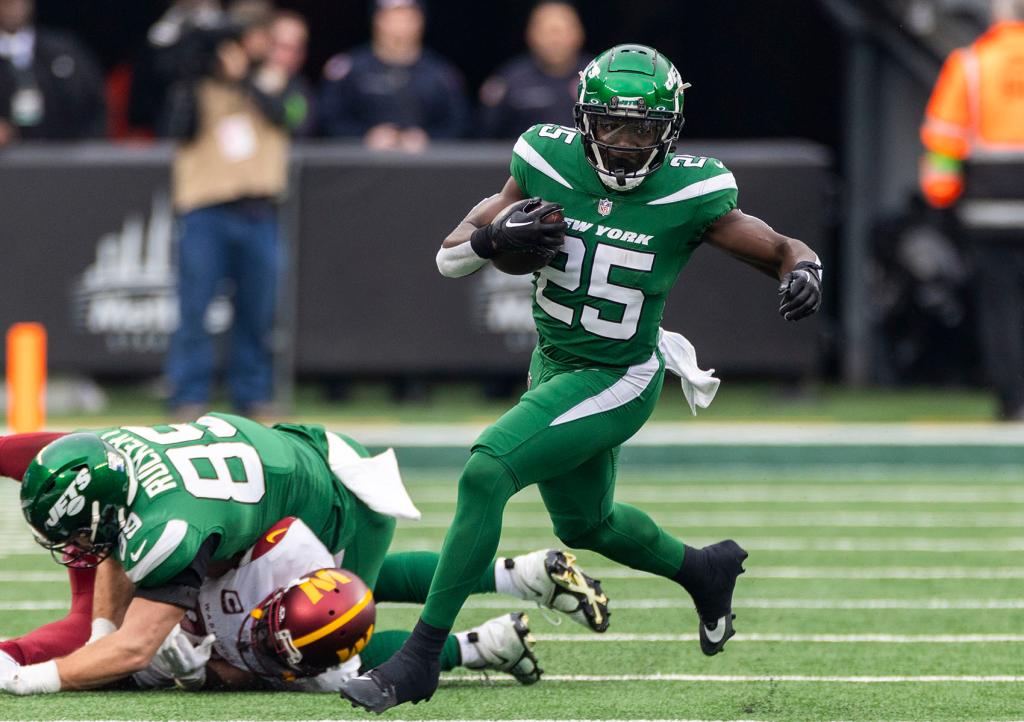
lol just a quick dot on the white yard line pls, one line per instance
(747, 679)
(865, 573)
(715, 493)
(680, 602)
(615, 638)
(851, 545)
(684, 602)
(774, 519)
(804, 638)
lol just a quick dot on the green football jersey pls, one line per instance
(601, 300)
(222, 475)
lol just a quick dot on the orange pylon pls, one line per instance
(26, 377)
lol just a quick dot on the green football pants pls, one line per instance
(564, 436)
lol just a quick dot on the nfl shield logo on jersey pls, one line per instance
(604, 206)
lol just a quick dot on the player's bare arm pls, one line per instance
(112, 595)
(128, 650)
(792, 262)
(483, 213)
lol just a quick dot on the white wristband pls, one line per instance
(458, 261)
(34, 679)
(101, 628)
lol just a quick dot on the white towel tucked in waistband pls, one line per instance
(699, 386)
(376, 481)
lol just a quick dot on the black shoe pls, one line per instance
(723, 563)
(403, 678)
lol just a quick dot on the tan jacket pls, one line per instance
(237, 152)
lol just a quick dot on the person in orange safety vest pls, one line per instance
(973, 133)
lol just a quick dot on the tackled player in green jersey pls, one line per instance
(177, 503)
(634, 214)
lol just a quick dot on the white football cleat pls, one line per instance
(552, 579)
(505, 644)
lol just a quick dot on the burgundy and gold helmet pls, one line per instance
(310, 625)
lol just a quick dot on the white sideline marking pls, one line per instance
(805, 638)
(34, 577)
(868, 573)
(729, 434)
(34, 605)
(462, 720)
(747, 679)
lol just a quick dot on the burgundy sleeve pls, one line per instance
(18, 450)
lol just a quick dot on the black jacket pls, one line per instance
(69, 80)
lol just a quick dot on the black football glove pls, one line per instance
(800, 291)
(519, 229)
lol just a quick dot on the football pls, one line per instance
(519, 264)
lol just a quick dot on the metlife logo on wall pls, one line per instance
(128, 295)
(505, 308)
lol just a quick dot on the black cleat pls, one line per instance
(714, 636)
(403, 678)
(723, 563)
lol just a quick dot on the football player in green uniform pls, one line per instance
(180, 502)
(634, 214)
(177, 505)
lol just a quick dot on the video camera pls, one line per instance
(194, 55)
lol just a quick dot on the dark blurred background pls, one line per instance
(770, 68)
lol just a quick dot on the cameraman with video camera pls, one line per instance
(227, 109)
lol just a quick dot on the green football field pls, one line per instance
(889, 591)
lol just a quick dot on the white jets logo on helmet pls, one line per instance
(71, 501)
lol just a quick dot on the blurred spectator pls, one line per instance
(539, 86)
(155, 68)
(393, 93)
(974, 136)
(289, 36)
(50, 86)
(230, 171)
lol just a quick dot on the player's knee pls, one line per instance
(380, 523)
(484, 477)
(579, 534)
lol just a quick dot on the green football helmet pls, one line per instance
(629, 109)
(73, 496)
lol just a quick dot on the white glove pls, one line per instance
(31, 679)
(178, 661)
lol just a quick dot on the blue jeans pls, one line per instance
(215, 243)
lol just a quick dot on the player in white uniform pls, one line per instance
(218, 646)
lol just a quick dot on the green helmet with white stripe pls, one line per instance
(629, 109)
(73, 496)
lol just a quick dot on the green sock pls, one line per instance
(406, 577)
(384, 644)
